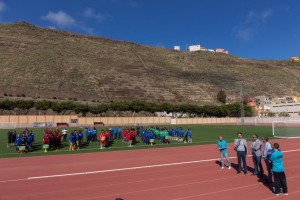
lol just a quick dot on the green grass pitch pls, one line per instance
(202, 134)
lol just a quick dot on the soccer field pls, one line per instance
(202, 134)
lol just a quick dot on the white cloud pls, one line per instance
(245, 34)
(254, 17)
(90, 13)
(266, 14)
(251, 16)
(2, 6)
(60, 18)
(252, 25)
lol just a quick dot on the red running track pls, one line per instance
(160, 174)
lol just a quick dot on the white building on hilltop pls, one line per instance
(220, 50)
(177, 48)
(194, 48)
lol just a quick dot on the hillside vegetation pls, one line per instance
(50, 64)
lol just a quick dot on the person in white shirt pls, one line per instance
(266, 155)
(240, 145)
(64, 133)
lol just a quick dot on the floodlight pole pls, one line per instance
(242, 103)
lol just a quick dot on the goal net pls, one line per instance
(286, 129)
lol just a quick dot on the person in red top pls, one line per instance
(56, 139)
(46, 139)
(125, 134)
(133, 136)
(102, 139)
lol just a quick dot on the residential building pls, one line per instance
(251, 102)
(194, 48)
(177, 48)
(263, 101)
(284, 99)
(220, 50)
(295, 59)
(296, 98)
(292, 108)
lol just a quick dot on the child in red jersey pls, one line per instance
(102, 139)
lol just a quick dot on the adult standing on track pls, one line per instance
(240, 145)
(222, 145)
(278, 170)
(266, 154)
(256, 156)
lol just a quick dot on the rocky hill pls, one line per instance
(50, 64)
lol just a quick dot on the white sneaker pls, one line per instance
(222, 167)
(285, 194)
(229, 167)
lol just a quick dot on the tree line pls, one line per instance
(228, 110)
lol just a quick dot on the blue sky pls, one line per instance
(259, 29)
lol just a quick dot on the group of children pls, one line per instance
(53, 138)
(22, 141)
(165, 135)
(91, 134)
(75, 140)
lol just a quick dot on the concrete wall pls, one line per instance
(9, 121)
(28, 120)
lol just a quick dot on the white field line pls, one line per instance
(135, 168)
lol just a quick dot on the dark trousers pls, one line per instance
(241, 156)
(257, 164)
(280, 181)
(269, 168)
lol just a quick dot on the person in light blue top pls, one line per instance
(222, 145)
(278, 170)
(266, 154)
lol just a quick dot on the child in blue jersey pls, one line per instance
(94, 135)
(189, 135)
(278, 170)
(72, 141)
(222, 145)
(18, 142)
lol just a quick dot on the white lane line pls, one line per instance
(14, 180)
(135, 168)
(123, 169)
(126, 169)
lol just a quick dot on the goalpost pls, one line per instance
(286, 129)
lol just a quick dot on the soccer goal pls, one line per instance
(286, 129)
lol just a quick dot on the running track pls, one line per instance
(180, 173)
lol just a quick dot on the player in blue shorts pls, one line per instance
(222, 145)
